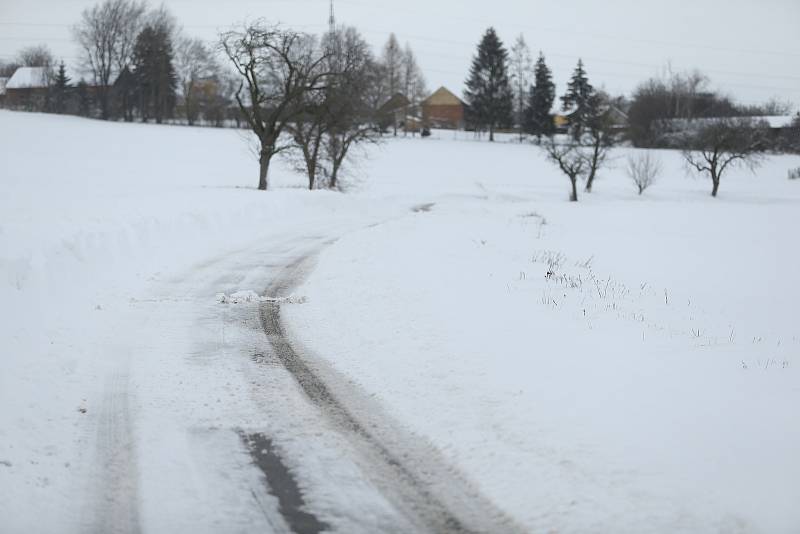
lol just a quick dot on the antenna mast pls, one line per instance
(332, 20)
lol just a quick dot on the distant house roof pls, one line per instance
(397, 102)
(774, 122)
(618, 117)
(3, 82)
(29, 77)
(443, 97)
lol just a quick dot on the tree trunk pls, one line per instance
(312, 178)
(334, 181)
(715, 181)
(574, 196)
(266, 155)
(104, 114)
(491, 133)
(590, 181)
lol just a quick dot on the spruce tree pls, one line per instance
(580, 100)
(61, 88)
(488, 93)
(84, 98)
(543, 94)
(154, 72)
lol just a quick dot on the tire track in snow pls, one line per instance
(410, 473)
(116, 501)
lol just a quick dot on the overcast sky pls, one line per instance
(749, 48)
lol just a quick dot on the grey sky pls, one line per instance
(749, 48)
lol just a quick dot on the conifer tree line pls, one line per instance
(507, 91)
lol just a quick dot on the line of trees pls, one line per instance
(400, 75)
(305, 97)
(678, 111)
(314, 100)
(136, 64)
(140, 62)
(499, 94)
(317, 101)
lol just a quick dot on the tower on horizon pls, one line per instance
(332, 20)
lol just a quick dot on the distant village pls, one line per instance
(155, 73)
(36, 89)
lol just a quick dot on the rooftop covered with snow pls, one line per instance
(29, 77)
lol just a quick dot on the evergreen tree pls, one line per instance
(84, 98)
(539, 119)
(125, 94)
(581, 101)
(61, 89)
(488, 93)
(154, 72)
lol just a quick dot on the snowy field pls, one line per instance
(625, 364)
(649, 383)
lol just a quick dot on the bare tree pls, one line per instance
(309, 127)
(308, 131)
(413, 83)
(719, 144)
(195, 65)
(684, 91)
(521, 66)
(339, 117)
(352, 118)
(36, 56)
(598, 139)
(162, 20)
(643, 170)
(570, 160)
(8, 69)
(107, 33)
(277, 69)
(393, 68)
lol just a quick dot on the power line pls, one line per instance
(748, 75)
(563, 31)
(461, 57)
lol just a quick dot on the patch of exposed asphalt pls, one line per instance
(423, 208)
(282, 484)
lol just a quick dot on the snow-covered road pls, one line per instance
(201, 387)
(205, 417)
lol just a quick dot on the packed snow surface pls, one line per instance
(625, 364)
